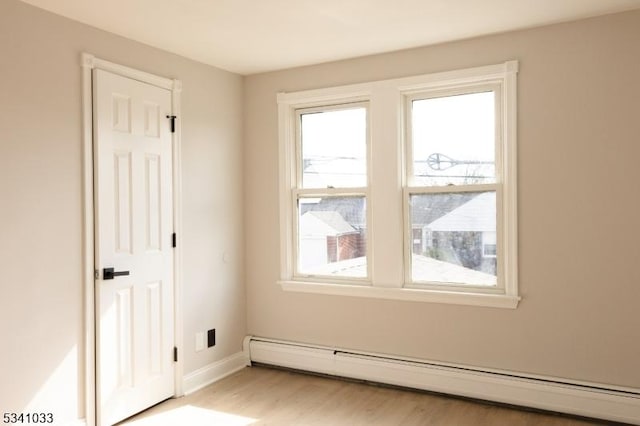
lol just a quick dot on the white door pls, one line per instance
(134, 227)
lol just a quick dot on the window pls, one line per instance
(453, 142)
(331, 192)
(402, 189)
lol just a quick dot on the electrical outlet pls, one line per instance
(199, 341)
(211, 337)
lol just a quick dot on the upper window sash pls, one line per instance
(445, 157)
(339, 163)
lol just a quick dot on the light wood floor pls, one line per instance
(266, 396)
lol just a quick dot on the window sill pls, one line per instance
(408, 294)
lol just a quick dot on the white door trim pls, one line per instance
(88, 63)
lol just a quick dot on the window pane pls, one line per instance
(332, 236)
(334, 147)
(454, 139)
(454, 238)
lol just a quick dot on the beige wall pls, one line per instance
(41, 292)
(579, 170)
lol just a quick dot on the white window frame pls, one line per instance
(387, 125)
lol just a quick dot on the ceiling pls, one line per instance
(252, 36)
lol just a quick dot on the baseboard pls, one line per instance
(547, 393)
(213, 372)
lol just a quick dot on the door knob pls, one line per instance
(109, 273)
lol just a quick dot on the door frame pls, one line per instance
(88, 63)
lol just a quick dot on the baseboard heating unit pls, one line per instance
(547, 393)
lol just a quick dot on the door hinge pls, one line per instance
(173, 240)
(96, 274)
(175, 354)
(173, 122)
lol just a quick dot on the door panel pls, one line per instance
(153, 214)
(122, 202)
(134, 224)
(123, 337)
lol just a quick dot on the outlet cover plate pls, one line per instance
(200, 341)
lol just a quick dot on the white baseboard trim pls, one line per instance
(213, 372)
(547, 393)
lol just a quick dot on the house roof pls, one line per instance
(355, 267)
(351, 209)
(425, 269)
(324, 223)
(428, 269)
(476, 215)
(427, 208)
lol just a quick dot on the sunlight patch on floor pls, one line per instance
(193, 416)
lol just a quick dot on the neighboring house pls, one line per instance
(465, 235)
(325, 237)
(427, 209)
(351, 209)
(458, 230)
(332, 229)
